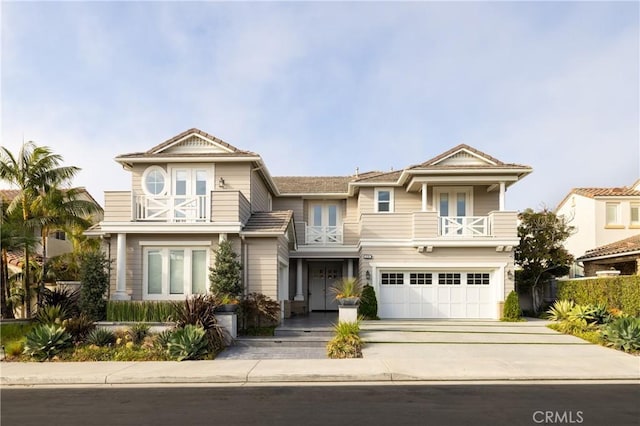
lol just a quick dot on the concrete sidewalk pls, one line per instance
(447, 363)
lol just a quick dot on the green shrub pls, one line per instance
(101, 337)
(79, 327)
(622, 292)
(199, 310)
(224, 277)
(258, 310)
(95, 279)
(67, 299)
(600, 314)
(560, 310)
(188, 343)
(347, 342)
(623, 333)
(144, 311)
(46, 341)
(14, 331)
(512, 310)
(14, 348)
(138, 332)
(368, 308)
(51, 314)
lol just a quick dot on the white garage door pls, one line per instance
(426, 294)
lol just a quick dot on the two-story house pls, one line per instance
(600, 216)
(433, 239)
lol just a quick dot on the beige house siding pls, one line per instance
(236, 177)
(290, 203)
(259, 194)
(117, 206)
(504, 224)
(425, 225)
(485, 202)
(228, 206)
(406, 202)
(262, 266)
(365, 200)
(386, 225)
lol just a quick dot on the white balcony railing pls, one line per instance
(172, 208)
(320, 235)
(464, 226)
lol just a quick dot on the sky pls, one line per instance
(320, 88)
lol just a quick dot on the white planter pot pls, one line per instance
(347, 313)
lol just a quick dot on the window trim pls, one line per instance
(633, 224)
(377, 201)
(146, 173)
(187, 273)
(617, 224)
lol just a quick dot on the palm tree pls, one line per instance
(13, 237)
(58, 209)
(34, 171)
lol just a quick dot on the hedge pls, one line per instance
(143, 311)
(622, 292)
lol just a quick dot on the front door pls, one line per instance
(322, 276)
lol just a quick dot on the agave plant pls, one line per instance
(582, 314)
(161, 340)
(188, 343)
(600, 314)
(560, 310)
(54, 314)
(101, 337)
(45, 341)
(138, 332)
(623, 333)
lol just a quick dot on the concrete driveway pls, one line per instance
(490, 350)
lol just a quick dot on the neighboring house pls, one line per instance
(434, 239)
(57, 242)
(600, 216)
(622, 256)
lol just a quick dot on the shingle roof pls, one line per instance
(390, 177)
(618, 247)
(274, 221)
(312, 184)
(606, 192)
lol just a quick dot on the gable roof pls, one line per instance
(268, 222)
(312, 184)
(464, 156)
(628, 245)
(218, 147)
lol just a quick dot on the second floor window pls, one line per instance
(384, 200)
(612, 214)
(635, 215)
(155, 181)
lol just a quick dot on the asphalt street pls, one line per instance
(461, 404)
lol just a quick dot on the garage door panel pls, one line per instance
(432, 294)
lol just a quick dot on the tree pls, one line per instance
(58, 209)
(225, 275)
(94, 275)
(541, 253)
(34, 171)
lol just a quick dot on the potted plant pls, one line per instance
(224, 277)
(347, 293)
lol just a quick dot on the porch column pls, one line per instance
(121, 269)
(502, 190)
(350, 268)
(424, 197)
(299, 295)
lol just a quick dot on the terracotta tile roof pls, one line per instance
(9, 194)
(156, 150)
(16, 258)
(606, 192)
(274, 221)
(627, 245)
(312, 184)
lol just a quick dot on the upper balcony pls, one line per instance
(429, 225)
(217, 206)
